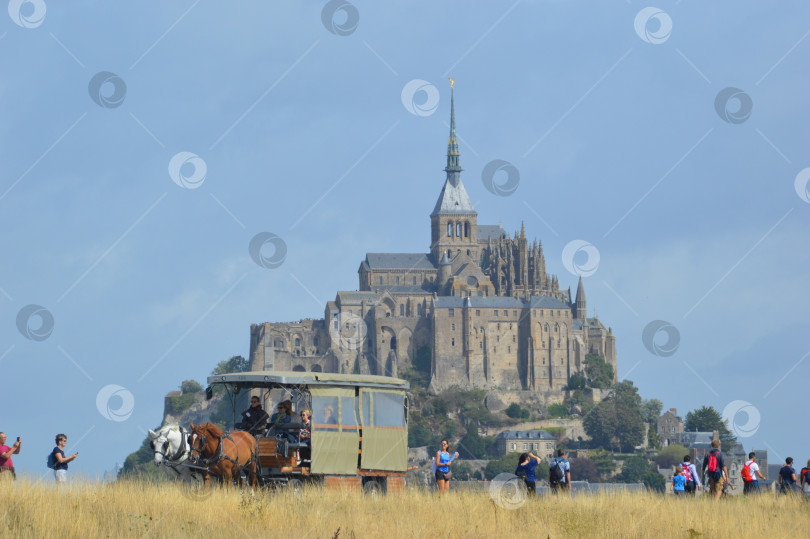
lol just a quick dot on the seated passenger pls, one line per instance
(254, 418)
(305, 434)
(329, 415)
(283, 415)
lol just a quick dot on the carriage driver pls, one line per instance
(254, 419)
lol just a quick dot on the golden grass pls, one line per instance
(138, 509)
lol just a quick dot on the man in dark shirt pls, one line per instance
(719, 476)
(254, 419)
(787, 477)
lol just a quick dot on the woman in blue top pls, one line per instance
(443, 462)
(61, 466)
(527, 462)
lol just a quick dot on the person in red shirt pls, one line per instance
(6, 464)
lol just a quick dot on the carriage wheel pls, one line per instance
(295, 486)
(373, 488)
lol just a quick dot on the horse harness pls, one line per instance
(219, 453)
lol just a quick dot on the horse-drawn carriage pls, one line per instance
(359, 429)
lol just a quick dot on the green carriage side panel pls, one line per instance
(385, 429)
(335, 436)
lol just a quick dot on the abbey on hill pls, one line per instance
(479, 305)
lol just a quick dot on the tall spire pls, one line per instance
(453, 167)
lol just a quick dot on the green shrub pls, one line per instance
(178, 405)
(515, 411)
(558, 410)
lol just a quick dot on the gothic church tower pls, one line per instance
(454, 221)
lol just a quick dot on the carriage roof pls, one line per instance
(274, 378)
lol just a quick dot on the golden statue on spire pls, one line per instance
(452, 82)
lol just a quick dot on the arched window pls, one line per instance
(458, 229)
(401, 309)
(297, 342)
(467, 230)
(418, 309)
(315, 341)
(450, 229)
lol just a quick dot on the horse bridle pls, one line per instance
(218, 455)
(180, 451)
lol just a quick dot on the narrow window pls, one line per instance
(458, 229)
(453, 327)
(397, 279)
(414, 280)
(452, 342)
(450, 229)
(401, 309)
(467, 231)
(478, 312)
(419, 309)
(451, 312)
(380, 279)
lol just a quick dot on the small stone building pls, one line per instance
(539, 442)
(669, 428)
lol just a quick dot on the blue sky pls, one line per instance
(698, 221)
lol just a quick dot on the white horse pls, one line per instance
(170, 444)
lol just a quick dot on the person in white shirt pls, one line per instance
(752, 486)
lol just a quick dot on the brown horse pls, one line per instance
(224, 455)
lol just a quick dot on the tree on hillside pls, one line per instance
(671, 455)
(584, 469)
(474, 446)
(707, 419)
(234, 364)
(508, 463)
(651, 410)
(616, 422)
(515, 411)
(598, 371)
(604, 462)
(190, 386)
(576, 381)
(637, 469)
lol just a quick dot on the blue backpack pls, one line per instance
(51, 461)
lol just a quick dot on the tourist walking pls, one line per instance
(527, 462)
(750, 475)
(804, 477)
(787, 477)
(61, 465)
(679, 482)
(443, 462)
(690, 474)
(6, 464)
(559, 473)
(714, 467)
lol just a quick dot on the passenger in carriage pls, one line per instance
(283, 415)
(305, 436)
(254, 419)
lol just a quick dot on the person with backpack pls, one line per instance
(678, 482)
(527, 462)
(559, 473)
(714, 467)
(749, 473)
(690, 474)
(804, 477)
(787, 477)
(59, 460)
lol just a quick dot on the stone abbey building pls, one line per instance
(479, 308)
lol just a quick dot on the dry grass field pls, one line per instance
(136, 509)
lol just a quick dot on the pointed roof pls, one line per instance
(580, 293)
(454, 197)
